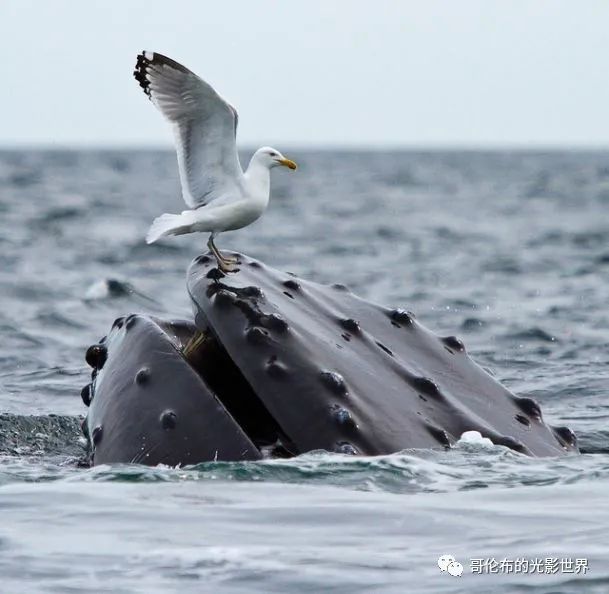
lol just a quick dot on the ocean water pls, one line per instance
(507, 250)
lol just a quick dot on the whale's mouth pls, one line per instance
(273, 365)
(206, 354)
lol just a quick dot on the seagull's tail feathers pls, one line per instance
(170, 224)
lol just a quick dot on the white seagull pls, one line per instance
(220, 195)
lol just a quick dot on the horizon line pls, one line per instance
(323, 147)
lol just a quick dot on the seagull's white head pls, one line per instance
(270, 157)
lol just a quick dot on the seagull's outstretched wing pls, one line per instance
(205, 128)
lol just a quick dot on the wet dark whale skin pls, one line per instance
(339, 373)
(334, 371)
(150, 407)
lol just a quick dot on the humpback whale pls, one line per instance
(272, 365)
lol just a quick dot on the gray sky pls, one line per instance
(342, 72)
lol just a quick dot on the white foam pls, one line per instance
(98, 290)
(474, 437)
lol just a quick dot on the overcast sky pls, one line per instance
(314, 72)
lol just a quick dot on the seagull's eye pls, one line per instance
(273, 154)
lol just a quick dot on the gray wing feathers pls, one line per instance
(204, 126)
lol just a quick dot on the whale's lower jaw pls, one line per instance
(277, 366)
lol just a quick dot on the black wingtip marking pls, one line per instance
(147, 59)
(141, 70)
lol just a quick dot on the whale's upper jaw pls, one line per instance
(340, 373)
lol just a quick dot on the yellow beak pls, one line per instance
(287, 163)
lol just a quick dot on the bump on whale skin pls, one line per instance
(281, 366)
(401, 385)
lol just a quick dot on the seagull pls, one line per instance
(220, 195)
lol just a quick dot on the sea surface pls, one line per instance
(507, 250)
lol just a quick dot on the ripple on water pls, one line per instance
(27, 442)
